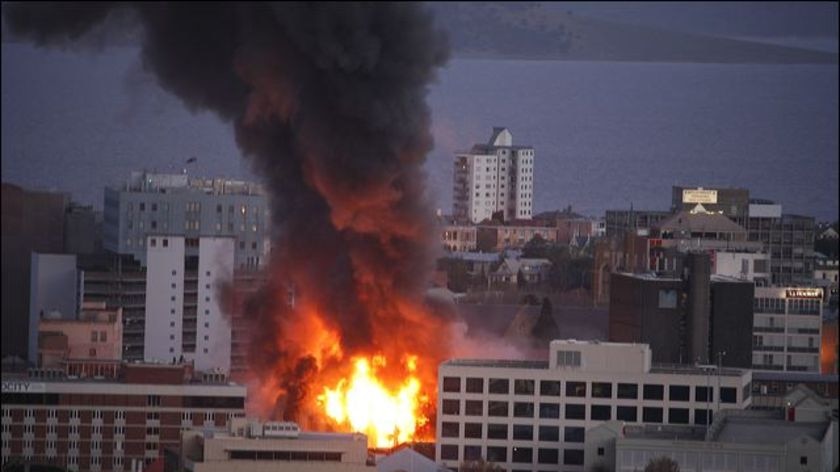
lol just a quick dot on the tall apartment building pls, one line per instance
(496, 177)
(531, 415)
(173, 204)
(111, 425)
(788, 329)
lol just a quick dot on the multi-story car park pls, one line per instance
(530, 415)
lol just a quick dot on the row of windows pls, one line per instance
(520, 455)
(553, 411)
(53, 399)
(579, 389)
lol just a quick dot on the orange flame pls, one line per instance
(363, 403)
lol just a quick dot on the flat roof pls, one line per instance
(498, 363)
(799, 377)
(695, 370)
(768, 430)
(670, 432)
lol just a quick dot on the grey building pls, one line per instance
(173, 204)
(619, 222)
(789, 239)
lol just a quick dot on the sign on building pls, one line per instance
(699, 195)
(804, 293)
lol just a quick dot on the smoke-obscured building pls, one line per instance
(497, 177)
(105, 425)
(534, 415)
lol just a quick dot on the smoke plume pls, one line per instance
(328, 103)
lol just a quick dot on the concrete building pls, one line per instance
(32, 221)
(638, 222)
(496, 177)
(693, 318)
(105, 425)
(531, 415)
(255, 447)
(789, 239)
(787, 329)
(87, 346)
(53, 289)
(183, 318)
(512, 235)
(458, 238)
(173, 204)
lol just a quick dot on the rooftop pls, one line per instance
(149, 182)
(674, 432)
(767, 430)
(498, 363)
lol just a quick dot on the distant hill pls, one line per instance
(529, 31)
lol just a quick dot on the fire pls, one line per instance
(363, 403)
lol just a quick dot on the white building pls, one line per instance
(494, 177)
(183, 313)
(787, 328)
(527, 415)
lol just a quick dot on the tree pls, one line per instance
(537, 247)
(662, 464)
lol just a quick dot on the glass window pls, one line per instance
(575, 412)
(472, 430)
(679, 393)
(550, 388)
(704, 394)
(475, 385)
(523, 409)
(523, 387)
(601, 390)
(575, 389)
(549, 410)
(700, 417)
(450, 430)
(497, 431)
(678, 415)
(573, 456)
(523, 431)
(499, 386)
(574, 434)
(497, 408)
(653, 392)
(451, 384)
(449, 452)
(651, 415)
(548, 456)
(628, 391)
(496, 454)
(523, 455)
(451, 407)
(549, 433)
(600, 412)
(472, 453)
(474, 408)
(626, 413)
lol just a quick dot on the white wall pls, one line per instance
(215, 267)
(164, 298)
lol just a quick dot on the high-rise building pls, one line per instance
(788, 329)
(494, 178)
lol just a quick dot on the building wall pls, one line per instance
(731, 322)
(213, 328)
(787, 329)
(52, 287)
(164, 316)
(90, 339)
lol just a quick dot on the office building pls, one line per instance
(494, 178)
(173, 204)
(788, 329)
(789, 239)
(275, 447)
(532, 415)
(105, 425)
(637, 222)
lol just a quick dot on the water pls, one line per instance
(606, 134)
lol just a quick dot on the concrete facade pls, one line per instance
(787, 332)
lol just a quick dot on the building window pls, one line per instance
(497, 431)
(550, 388)
(523, 410)
(653, 392)
(165, 242)
(472, 453)
(549, 410)
(679, 393)
(523, 387)
(523, 455)
(474, 408)
(451, 407)
(668, 298)
(703, 417)
(573, 457)
(475, 385)
(600, 412)
(600, 451)
(497, 408)
(728, 395)
(451, 384)
(94, 336)
(704, 394)
(549, 433)
(575, 412)
(496, 454)
(601, 390)
(449, 452)
(651, 415)
(803, 460)
(574, 434)
(567, 358)
(450, 430)
(500, 386)
(153, 400)
(575, 389)
(626, 413)
(472, 430)
(678, 415)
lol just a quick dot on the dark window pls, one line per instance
(679, 393)
(600, 412)
(573, 456)
(628, 391)
(550, 388)
(651, 415)
(523, 454)
(626, 413)
(475, 385)
(700, 417)
(523, 410)
(704, 394)
(575, 412)
(575, 389)
(451, 384)
(601, 390)
(451, 407)
(574, 434)
(549, 433)
(142, 207)
(499, 386)
(218, 208)
(523, 387)
(472, 430)
(678, 415)
(653, 392)
(450, 430)
(474, 408)
(214, 402)
(728, 395)
(496, 454)
(449, 452)
(549, 410)
(548, 456)
(803, 460)
(523, 431)
(472, 453)
(497, 431)
(600, 451)
(497, 408)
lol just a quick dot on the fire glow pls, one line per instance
(362, 403)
